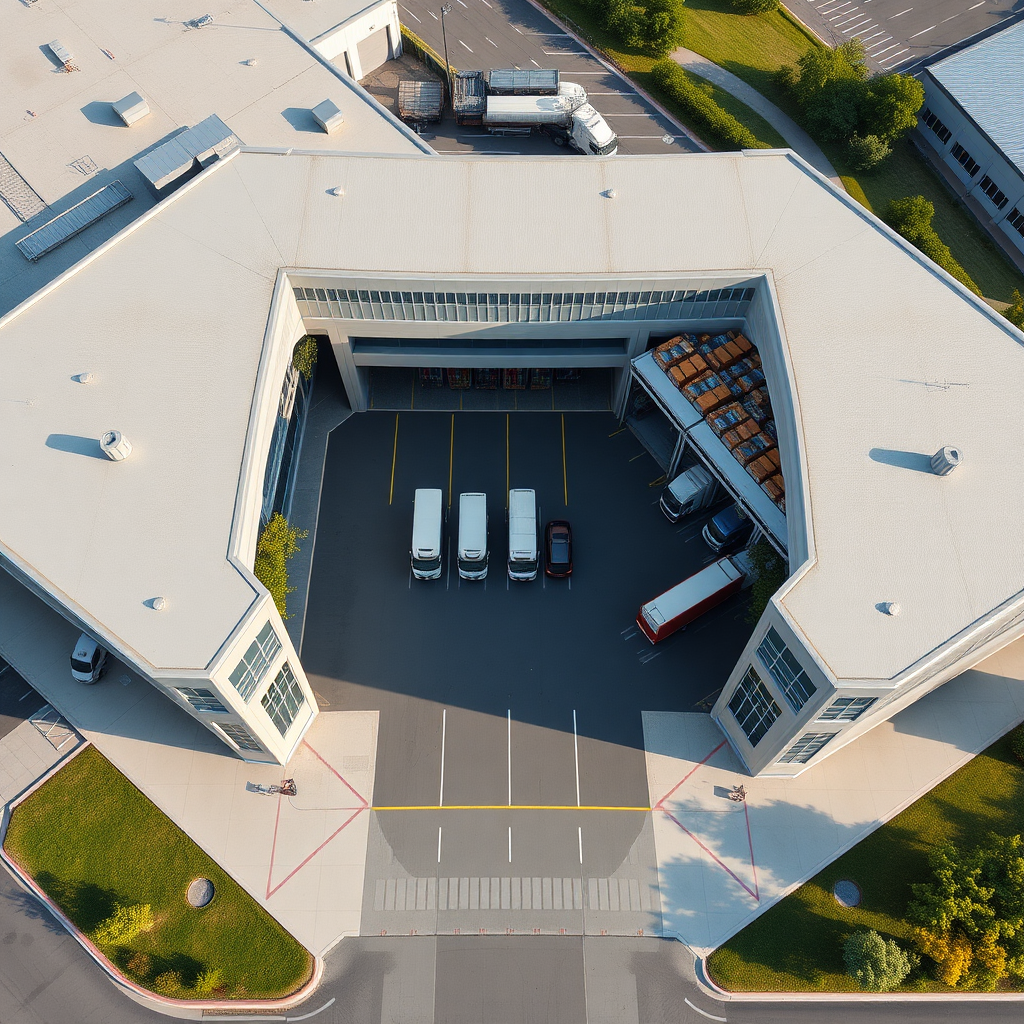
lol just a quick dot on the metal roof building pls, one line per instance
(863, 340)
(972, 118)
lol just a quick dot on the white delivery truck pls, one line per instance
(693, 489)
(567, 117)
(427, 528)
(522, 534)
(88, 660)
(473, 536)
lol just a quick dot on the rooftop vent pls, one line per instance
(84, 378)
(328, 116)
(115, 446)
(945, 460)
(158, 604)
(131, 108)
(889, 608)
(201, 22)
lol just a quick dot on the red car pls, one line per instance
(558, 549)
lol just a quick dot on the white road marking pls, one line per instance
(576, 752)
(843, 14)
(444, 726)
(510, 757)
(29, 694)
(900, 15)
(438, 844)
(534, 63)
(579, 833)
(563, 53)
(464, 4)
(864, 39)
(411, 15)
(703, 1013)
(461, 43)
(859, 28)
(896, 54)
(868, 49)
(951, 17)
(982, 4)
(510, 844)
(433, 15)
(491, 41)
(850, 16)
(922, 32)
(899, 62)
(485, 1)
(880, 52)
(512, 26)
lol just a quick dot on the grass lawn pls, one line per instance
(797, 945)
(92, 841)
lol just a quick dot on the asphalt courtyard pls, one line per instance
(511, 790)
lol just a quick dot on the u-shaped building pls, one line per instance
(179, 332)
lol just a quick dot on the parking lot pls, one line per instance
(500, 699)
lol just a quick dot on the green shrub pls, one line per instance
(276, 545)
(1017, 736)
(877, 964)
(168, 983)
(139, 965)
(304, 356)
(1015, 314)
(912, 218)
(654, 27)
(125, 924)
(755, 6)
(209, 981)
(701, 110)
(867, 151)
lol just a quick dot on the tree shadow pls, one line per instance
(85, 903)
(33, 908)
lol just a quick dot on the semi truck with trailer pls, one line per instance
(665, 614)
(512, 102)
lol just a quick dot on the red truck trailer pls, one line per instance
(688, 600)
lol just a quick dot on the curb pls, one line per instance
(705, 981)
(807, 28)
(162, 1004)
(606, 62)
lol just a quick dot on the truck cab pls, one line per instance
(88, 660)
(728, 531)
(591, 133)
(690, 491)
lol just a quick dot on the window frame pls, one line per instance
(762, 709)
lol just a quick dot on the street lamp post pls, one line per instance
(446, 9)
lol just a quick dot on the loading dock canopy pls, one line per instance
(713, 452)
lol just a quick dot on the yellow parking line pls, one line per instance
(513, 807)
(565, 476)
(394, 459)
(451, 460)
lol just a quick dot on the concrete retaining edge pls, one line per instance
(182, 1008)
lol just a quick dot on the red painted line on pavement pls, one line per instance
(750, 842)
(699, 764)
(334, 772)
(719, 862)
(296, 870)
(273, 848)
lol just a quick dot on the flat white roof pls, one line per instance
(891, 359)
(61, 134)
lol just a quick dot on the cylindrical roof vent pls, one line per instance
(945, 460)
(115, 445)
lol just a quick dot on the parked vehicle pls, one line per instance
(558, 549)
(692, 490)
(522, 534)
(419, 102)
(473, 536)
(88, 660)
(728, 531)
(427, 527)
(689, 600)
(514, 102)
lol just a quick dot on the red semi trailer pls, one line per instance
(690, 599)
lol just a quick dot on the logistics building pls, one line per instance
(887, 383)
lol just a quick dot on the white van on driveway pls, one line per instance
(522, 534)
(427, 528)
(473, 536)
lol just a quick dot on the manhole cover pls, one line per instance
(200, 892)
(847, 893)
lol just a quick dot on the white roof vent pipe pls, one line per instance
(115, 445)
(945, 460)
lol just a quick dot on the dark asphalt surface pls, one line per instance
(900, 34)
(18, 701)
(485, 34)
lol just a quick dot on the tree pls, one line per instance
(890, 105)
(867, 151)
(304, 356)
(820, 66)
(755, 6)
(1015, 314)
(833, 113)
(877, 964)
(654, 26)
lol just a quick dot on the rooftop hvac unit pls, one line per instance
(328, 116)
(115, 446)
(945, 460)
(131, 108)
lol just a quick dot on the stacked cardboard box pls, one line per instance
(707, 392)
(727, 417)
(753, 447)
(746, 430)
(689, 369)
(674, 351)
(775, 488)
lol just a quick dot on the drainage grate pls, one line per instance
(17, 193)
(55, 728)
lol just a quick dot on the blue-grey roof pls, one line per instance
(987, 80)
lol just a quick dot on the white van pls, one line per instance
(88, 660)
(522, 534)
(427, 522)
(473, 536)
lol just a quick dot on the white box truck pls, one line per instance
(427, 527)
(693, 489)
(473, 536)
(522, 534)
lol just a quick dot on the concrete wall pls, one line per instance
(341, 44)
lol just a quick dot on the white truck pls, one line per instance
(522, 534)
(427, 527)
(692, 490)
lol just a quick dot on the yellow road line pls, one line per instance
(635, 457)
(513, 807)
(394, 459)
(565, 476)
(619, 431)
(451, 460)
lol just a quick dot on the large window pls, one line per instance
(257, 659)
(240, 736)
(1016, 221)
(203, 700)
(936, 126)
(806, 747)
(791, 679)
(965, 160)
(283, 698)
(753, 707)
(846, 709)
(994, 192)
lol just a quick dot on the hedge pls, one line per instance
(703, 114)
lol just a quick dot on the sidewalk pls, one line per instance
(799, 141)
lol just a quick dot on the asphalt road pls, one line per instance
(900, 34)
(485, 34)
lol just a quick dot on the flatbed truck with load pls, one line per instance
(513, 102)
